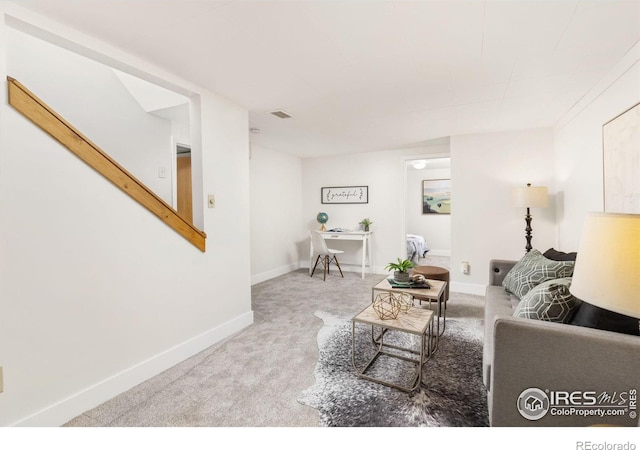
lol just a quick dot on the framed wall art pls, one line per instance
(345, 194)
(621, 162)
(436, 196)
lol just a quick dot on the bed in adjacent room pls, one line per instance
(416, 247)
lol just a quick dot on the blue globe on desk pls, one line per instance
(322, 218)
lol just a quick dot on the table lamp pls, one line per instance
(529, 197)
(606, 275)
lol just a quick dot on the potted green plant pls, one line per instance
(365, 224)
(401, 269)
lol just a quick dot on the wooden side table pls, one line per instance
(435, 294)
(417, 321)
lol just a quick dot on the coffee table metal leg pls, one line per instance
(424, 353)
(377, 340)
(441, 313)
(374, 339)
(431, 340)
(353, 351)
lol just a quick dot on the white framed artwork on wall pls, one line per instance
(344, 194)
(621, 162)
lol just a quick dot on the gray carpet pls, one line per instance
(255, 377)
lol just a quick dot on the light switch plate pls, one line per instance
(211, 202)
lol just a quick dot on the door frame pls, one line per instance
(403, 204)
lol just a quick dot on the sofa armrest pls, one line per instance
(498, 269)
(559, 357)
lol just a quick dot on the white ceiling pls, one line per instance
(369, 75)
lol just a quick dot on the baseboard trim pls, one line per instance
(269, 274)
(468, 288)
(437, 252)
(70, 407)
(348, 267)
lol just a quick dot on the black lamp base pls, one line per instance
(592, 316)
(528, 231)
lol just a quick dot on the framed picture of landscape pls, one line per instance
(436, 196)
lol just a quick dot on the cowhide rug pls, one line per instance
(451, 392)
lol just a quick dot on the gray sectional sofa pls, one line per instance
(595, 372)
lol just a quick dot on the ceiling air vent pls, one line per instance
(281, 114)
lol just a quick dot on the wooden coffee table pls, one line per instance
(433, 294)
(417, 321)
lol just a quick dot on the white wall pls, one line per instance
(381, 172)
(484, 169)
(276, 201)
(91, 97)
(578, 147)
(435, 228)
(96, 293)
(384, 173)
(484, 225)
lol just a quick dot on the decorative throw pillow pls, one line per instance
(550, 301)
(532, 270)
(557, 255)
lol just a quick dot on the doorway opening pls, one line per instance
(427, 230)
(183, 182)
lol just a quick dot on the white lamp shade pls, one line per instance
(607, 268)
(530, 197)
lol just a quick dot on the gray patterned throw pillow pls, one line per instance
(550, 301)
(532, 270)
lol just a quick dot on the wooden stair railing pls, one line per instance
(48, 120)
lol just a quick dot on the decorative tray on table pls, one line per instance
(409, 284)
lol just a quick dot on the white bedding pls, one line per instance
(416, 247)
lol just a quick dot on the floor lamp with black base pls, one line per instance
(529, 197)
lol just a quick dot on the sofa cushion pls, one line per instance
(514, 301)
(532, 270)
(550, 301)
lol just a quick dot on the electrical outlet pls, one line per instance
(464, 267)
(1, 381)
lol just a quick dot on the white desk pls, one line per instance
(364, 236)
